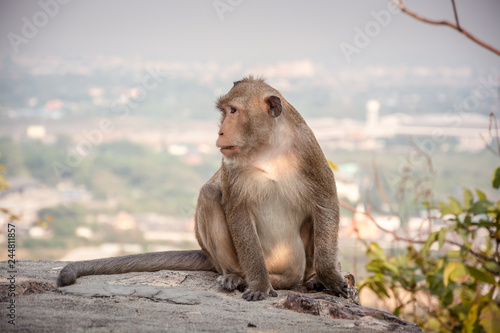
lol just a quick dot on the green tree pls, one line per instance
(452, 277)
(64, 219)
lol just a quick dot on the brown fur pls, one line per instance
(269, 217)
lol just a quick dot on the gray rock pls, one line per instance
(166, 301)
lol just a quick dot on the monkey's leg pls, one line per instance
(310, 280)
(214, 238)
(286, 264)
(325, 251)
(249, 252)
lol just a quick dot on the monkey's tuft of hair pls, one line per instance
(66, 277)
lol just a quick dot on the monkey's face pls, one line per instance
(248, 117)
(233, 126)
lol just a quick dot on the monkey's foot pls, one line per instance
(231, 282)
(257, 295)
(337, 285)
(334, 282)
(315, 284)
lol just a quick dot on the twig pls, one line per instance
(396, 236)
(426, 155)
(401, 6)
(456, 15)
(433, 314)
(492, 117)
(487, 145)
(380, 188)
(415, 241)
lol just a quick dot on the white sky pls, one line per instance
(254, 31)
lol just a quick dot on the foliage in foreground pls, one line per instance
(449, 282)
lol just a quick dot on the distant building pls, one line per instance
(124, 221)
(372, 114)
(36, 132)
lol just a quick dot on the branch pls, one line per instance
(379, 186)
(456, 15)
(457, 27)
(396, 236)
(494, 119)
(415, 241)
(488, 146)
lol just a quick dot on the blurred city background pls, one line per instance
(108, 124)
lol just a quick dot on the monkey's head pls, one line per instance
(249, 113)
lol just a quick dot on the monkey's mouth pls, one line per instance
(227, 148)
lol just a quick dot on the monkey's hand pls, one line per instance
(335, 283)
(257, 294)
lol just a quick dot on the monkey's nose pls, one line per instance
(221, 133)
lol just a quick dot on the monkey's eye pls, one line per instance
(232, 109)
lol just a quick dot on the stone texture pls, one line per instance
(175, 302)
(330, 306)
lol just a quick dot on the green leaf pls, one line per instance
(471, 319)
(481, 194)
(490, 317)
(442, 236)
(447, 299)
(467, 198)
(419, 278)
(394, 270)
(459, 274)
(480, 275)
(447, 271)
(480, 207)
(375, 266)
(433, 325)
(382, 290)
(465, 236)
(453, 254)
(454, 271)
(397, 311)
(445, 210)
(374, 251)
(485, 224)
(432, 238)
(496, 178)
(468, 297)
(435, 283)
(455, 206)
(493, 267)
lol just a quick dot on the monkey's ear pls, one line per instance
(274, 105)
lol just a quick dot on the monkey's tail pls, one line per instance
(195, 260)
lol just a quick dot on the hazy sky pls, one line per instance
(252, 31)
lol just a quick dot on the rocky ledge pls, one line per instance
(174, 302)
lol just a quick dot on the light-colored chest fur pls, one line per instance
(272, 185)
(277, 188)
(280, 211)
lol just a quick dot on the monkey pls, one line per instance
(268, 219)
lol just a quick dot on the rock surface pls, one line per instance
(174, 302)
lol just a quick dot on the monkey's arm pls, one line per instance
(325, 213)
(249, 252)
